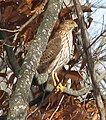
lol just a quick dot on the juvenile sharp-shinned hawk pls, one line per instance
(58, 51)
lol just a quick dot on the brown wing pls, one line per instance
(52, 50)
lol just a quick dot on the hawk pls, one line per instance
(58, 51)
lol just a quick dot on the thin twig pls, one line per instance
(96, 39)
(32, 113)
(57, 108)
(6, 30)
(101, 76)
(45, 111)
(98, 6)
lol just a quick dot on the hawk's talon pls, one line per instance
(55, 78)
(60, 87)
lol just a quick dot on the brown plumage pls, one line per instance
(59, 48)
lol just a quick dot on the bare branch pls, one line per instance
(90, 62)
(102, 76)
(18, 104)
(99, 6)
(6, 30)
(10, 54)
(71, 91)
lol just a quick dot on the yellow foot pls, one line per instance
(60, 87)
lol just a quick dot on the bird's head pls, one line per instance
(68, 25)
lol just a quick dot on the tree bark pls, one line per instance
(18, 103)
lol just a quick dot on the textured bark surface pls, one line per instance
(18, 104)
